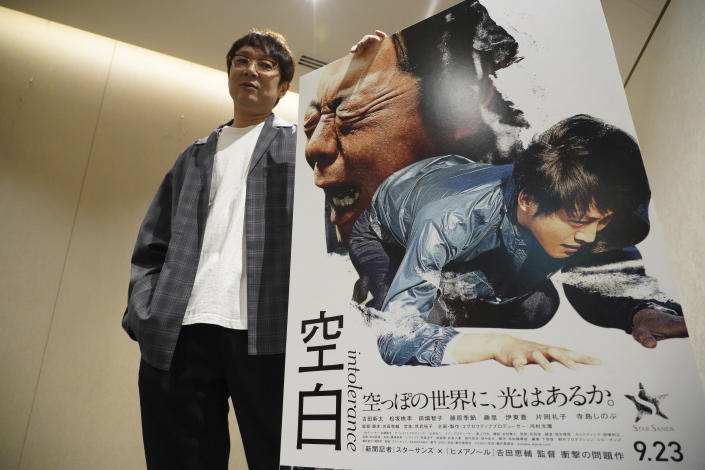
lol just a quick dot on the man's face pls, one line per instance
(560, 234)
(362, 126)
(254, 87)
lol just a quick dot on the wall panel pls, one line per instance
(48, 117)
(667, 99)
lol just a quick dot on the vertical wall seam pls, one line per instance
(66, 255)
(646, 43)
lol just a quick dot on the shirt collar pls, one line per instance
(517, 240)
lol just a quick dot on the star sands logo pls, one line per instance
(647, 404)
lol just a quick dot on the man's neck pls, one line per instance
(245, 120)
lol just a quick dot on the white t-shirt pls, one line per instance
(219, 294)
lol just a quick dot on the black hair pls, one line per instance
(581, 161)
(441, 52)
(273, 44)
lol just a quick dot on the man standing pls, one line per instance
(208, 288)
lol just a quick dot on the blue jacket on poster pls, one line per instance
(450, 210)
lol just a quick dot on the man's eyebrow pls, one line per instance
(255, 56)
(332, 104)
(335, 102)
(585, 218)
(315, 104)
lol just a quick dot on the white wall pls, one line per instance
(666, 95)
(88, 128)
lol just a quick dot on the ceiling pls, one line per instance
(203, 31)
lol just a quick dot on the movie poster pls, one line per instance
(477, 272)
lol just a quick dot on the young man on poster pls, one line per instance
(488, 238)
(208, 292)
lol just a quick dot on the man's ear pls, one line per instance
(283, 88)
(527, 204)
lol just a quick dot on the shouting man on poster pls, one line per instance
(475, 245)
(424, 92)
(208, 291)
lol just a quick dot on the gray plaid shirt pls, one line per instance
(168, 245)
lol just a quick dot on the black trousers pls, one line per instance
(185, 409)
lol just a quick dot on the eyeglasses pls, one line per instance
(241, 62)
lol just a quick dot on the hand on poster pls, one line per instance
(651, 325)
(367, 40)
(515, 352)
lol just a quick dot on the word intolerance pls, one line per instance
(352, 392)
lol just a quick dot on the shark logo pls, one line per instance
(649, 404)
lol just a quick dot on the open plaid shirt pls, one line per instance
(168, 246)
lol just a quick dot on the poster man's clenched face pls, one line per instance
(362, 126)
